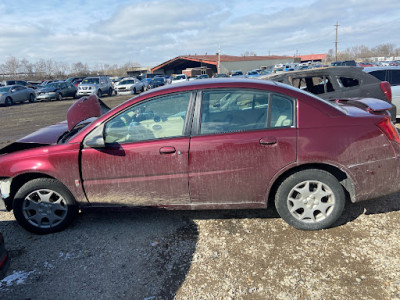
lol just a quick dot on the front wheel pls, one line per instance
(44, 205)
(59, 97)
(110, 92)
(310, 199)
(99, 93)
(9, 101)
(31, 98)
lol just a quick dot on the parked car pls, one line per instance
(157, 81)
(129, 85)
(237, 73)
(57, 91)
(176, 78)
(391, 75)
(205, 144)
(252, 74)
(4, 258)
(146, 83)
(220, 75)
(11, 94)
(202, 76)
(98, 85)
(73, 79)
(348, 63)
(16, 82)
(333, 83)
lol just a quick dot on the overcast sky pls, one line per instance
(151, 32)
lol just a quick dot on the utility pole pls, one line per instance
(219, 58)
(336, 42)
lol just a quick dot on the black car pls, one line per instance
(333, 83)
(4, 258)
(156, 82)
(57, 91)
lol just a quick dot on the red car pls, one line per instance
(205, 144)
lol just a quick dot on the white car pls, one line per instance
(391, 75)
(129, 85)
(178, 78)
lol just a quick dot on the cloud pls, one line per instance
(150, 32)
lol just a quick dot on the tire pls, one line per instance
(310, 200)
(134, 91)
(76, 95)
(8, 101)
(142, 90)
(110, 92)
(31, 98)
(99, 94)
(44, 205)
(59, 97)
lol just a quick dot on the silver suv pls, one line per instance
(97, 85)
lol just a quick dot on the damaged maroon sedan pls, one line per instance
(206, 144)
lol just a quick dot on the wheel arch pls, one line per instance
(18, 181)
(343, 178)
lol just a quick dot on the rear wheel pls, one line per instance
(44, 205)
(59, 97)
(8, 101)
(31, 98)
(310, 199)
(99, 93)
(110, 92)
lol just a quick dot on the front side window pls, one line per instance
(161, 117)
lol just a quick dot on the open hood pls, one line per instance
(85, 108)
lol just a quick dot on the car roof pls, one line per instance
(371, 69)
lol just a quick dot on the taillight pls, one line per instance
(387, 90)
(388, 129)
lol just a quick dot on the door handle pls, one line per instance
(270, 140)
(167, 150)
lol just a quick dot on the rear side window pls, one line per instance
(244, 110)
(381, 74)
(349, 82)
(394, 77)
(316, 85)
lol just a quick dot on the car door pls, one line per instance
(145, 160)
(244, 137)
(394, 80)
(19, 94)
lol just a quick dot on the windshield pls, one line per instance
(66, 136)
(5, 89)
(53, 85)
(127, 82)
(90, 81)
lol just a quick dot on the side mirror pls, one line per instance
(95, 139)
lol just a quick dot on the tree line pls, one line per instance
(49, 69)
(365, 53)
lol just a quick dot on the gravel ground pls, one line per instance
(247, 254)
